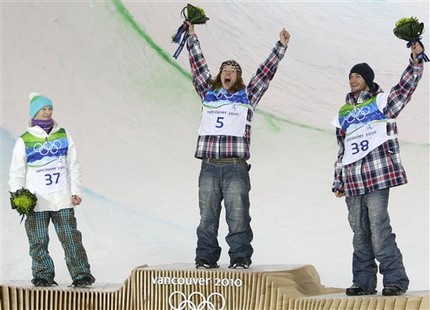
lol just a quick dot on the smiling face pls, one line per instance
(357, 84)
(44, 113)
(228, 76)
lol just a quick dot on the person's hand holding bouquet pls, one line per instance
(193, 15)
(23, 201)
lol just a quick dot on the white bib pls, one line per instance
(363, 140)
(46, 162)
(226, 120)
(48, 178)
(365, 128)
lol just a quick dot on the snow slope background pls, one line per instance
(133, 114)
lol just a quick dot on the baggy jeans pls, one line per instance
(64, 220)
(373, 239)
(229, 182)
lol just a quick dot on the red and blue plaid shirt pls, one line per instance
(230, 146)
(382, 167)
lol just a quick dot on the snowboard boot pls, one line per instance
(204, 263)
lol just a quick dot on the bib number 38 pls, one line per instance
(360, 147)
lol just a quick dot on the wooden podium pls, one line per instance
(182, 287)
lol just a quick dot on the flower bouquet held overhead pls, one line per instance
(192, 15)
(410, 29)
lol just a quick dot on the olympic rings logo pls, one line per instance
(357, 114)
(223, 94)
(48, 147)
(186, 303)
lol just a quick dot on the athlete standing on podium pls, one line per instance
(367, 166)
(224, 147)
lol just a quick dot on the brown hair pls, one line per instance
(238, 84)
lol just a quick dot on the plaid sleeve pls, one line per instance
(259, 82)
(338, 182)
(199, 67)
(401, 93)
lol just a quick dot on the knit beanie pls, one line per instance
(37, 102)
(232, 63)
(365, 71)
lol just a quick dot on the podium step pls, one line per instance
(182, 287)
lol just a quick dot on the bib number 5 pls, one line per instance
(219, 122)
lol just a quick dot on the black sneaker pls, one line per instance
(356, 290)
(84, 281)
(204, 263)
(40, 282)
(240, 262)
(393, 290)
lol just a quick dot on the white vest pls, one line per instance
(224, 114)
(365, 127)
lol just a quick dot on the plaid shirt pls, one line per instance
(230, 146)
(382, 167)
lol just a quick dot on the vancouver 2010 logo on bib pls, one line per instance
(196, 301)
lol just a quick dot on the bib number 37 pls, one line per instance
(52, 178)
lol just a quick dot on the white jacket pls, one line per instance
(19, 171)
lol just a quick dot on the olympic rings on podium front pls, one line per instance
(179, 301)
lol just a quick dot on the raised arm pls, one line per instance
(199, 68)
(266, 71)
(401, 93)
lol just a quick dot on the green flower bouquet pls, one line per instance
(23, 201)
(192, 15)
(410, 29)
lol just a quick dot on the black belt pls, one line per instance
(228, 160)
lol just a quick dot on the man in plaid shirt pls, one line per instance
(223, 146)
(367, 166)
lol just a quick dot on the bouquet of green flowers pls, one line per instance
(23, 201)
(192, 15)
(410, 29)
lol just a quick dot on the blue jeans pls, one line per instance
(374, 239)
(228, 182)
(37, 228)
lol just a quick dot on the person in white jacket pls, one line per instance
(44, 161)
